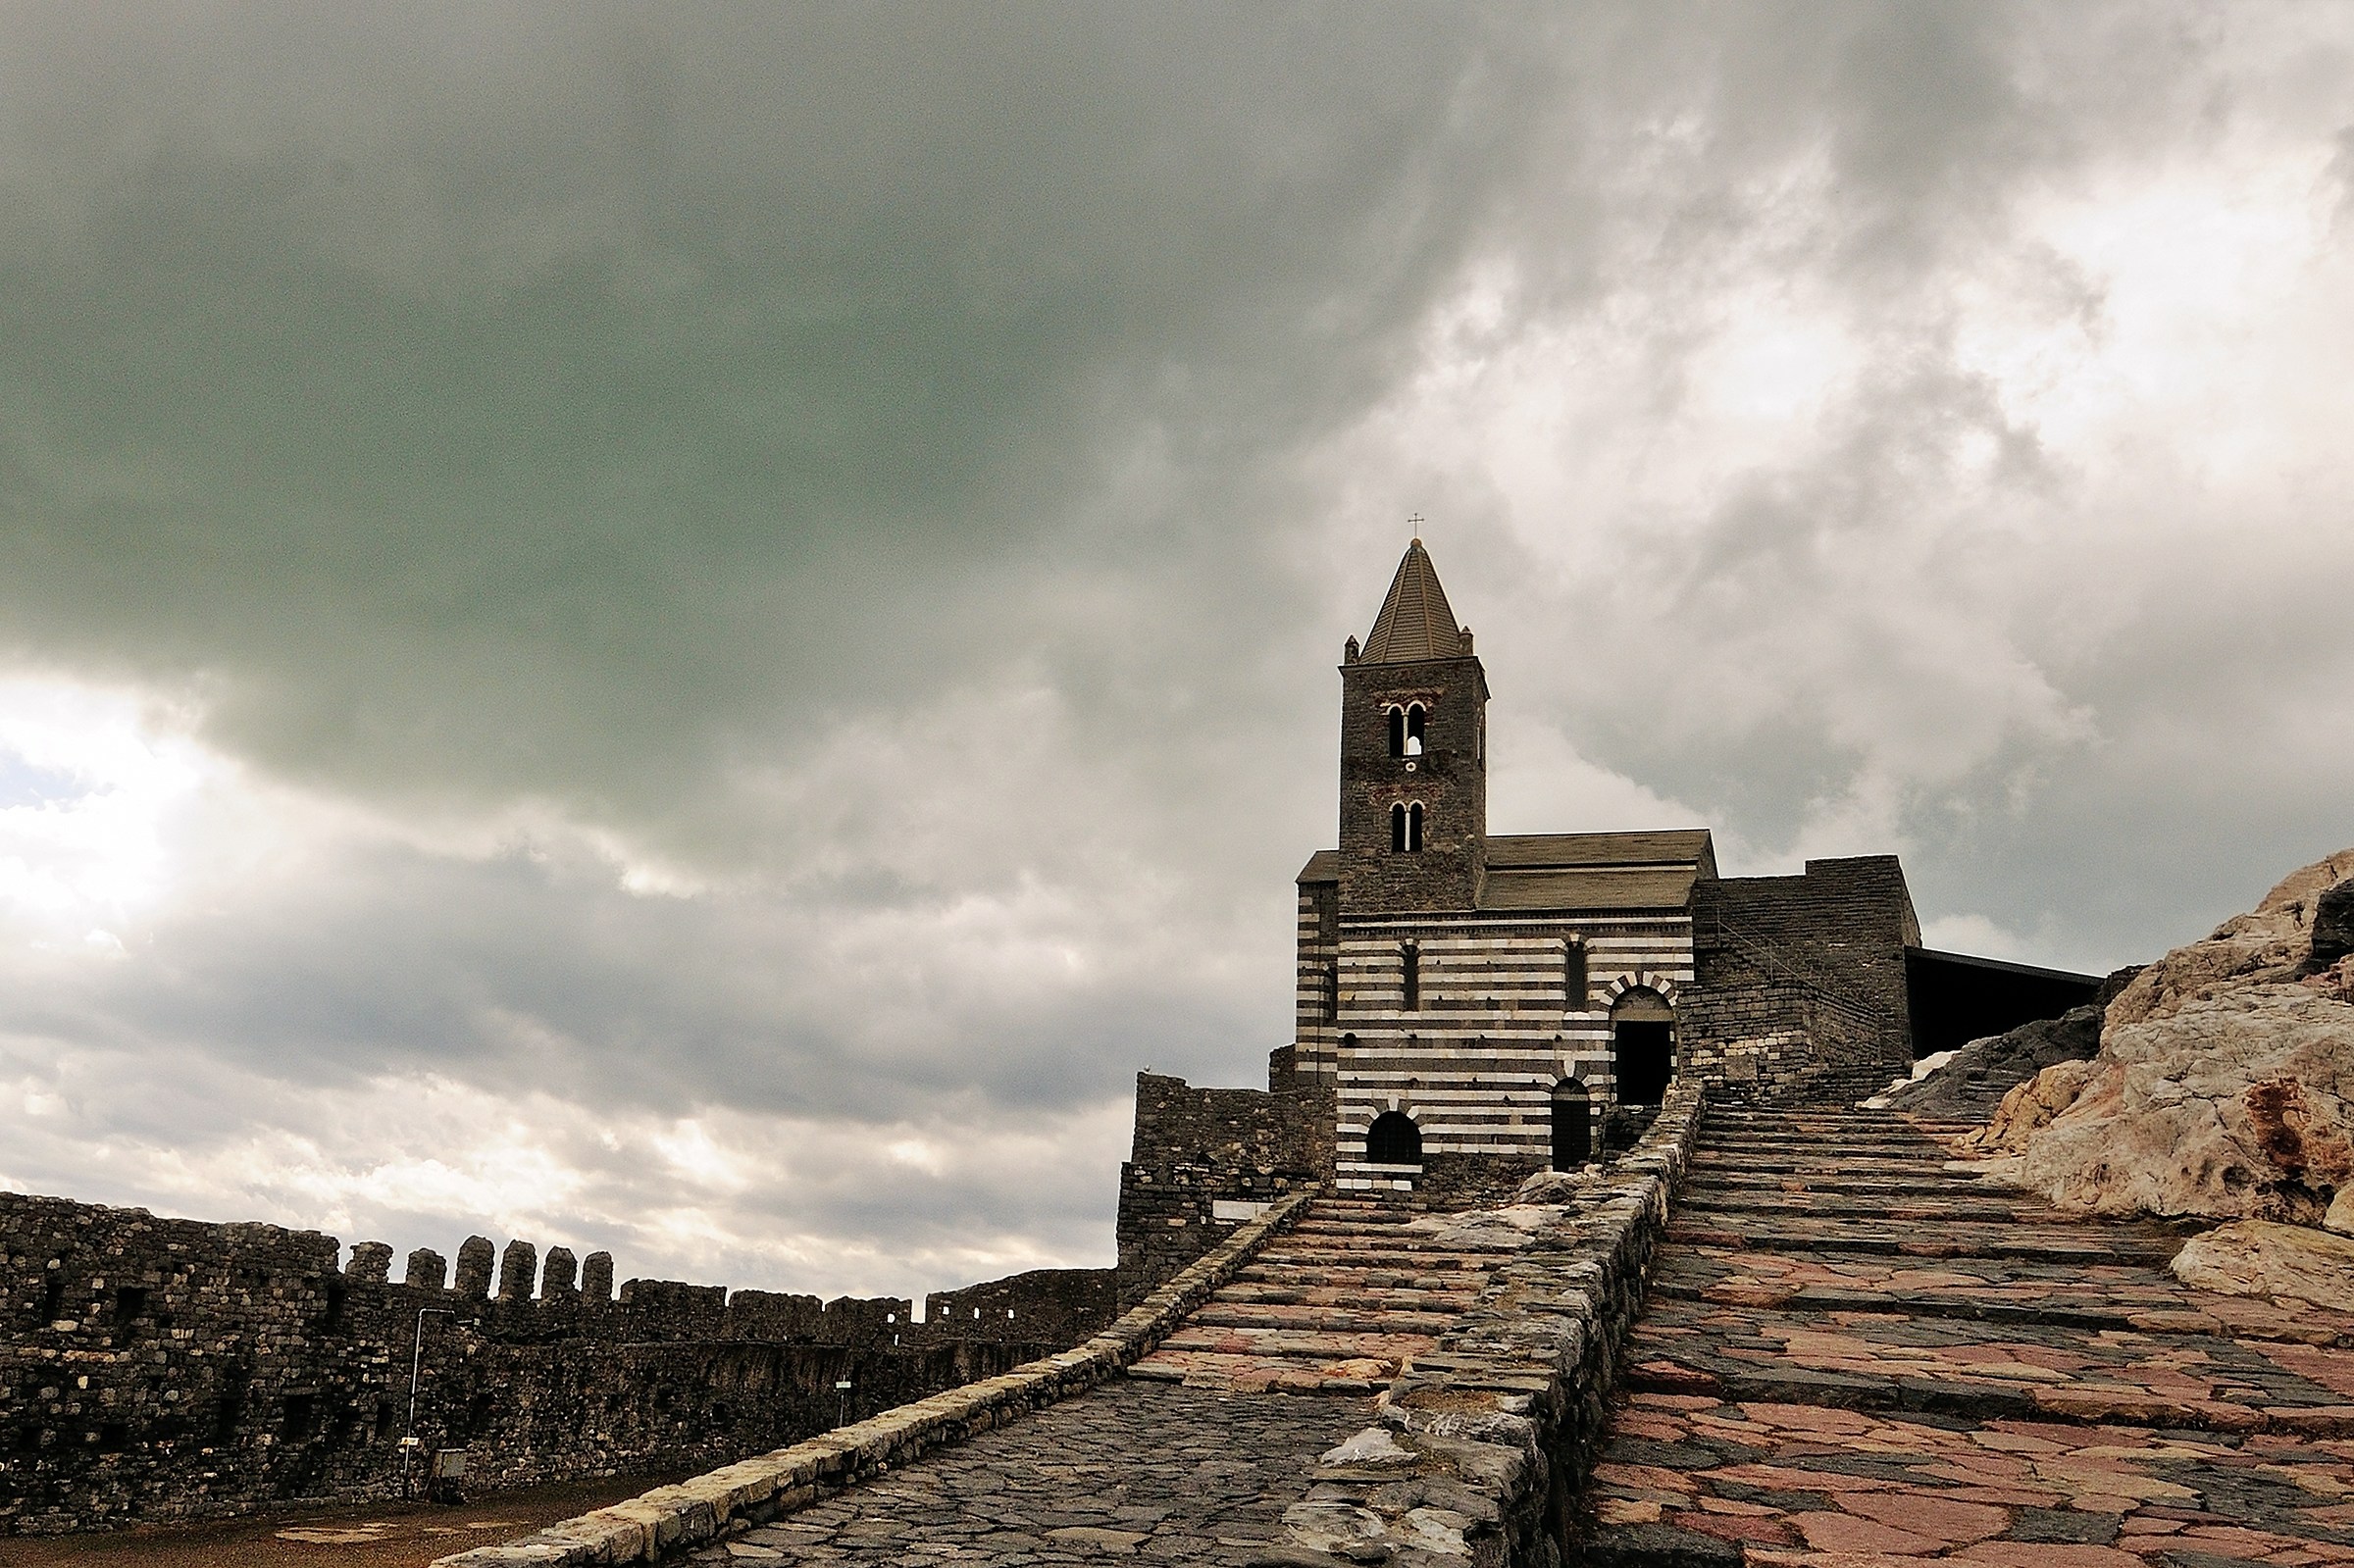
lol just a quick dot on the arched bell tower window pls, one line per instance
(1397, 718)
(1406, 828)
(1416, 726)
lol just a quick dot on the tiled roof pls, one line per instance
(1578, 870)
(1415, 622)
(1681, 846)
(1590, 888)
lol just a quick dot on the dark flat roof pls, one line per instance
(2033, 971)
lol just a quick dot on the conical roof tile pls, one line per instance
(1415, 622)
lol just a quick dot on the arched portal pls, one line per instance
(1573, 1124)
(1643, 1046)
(1394, 1139)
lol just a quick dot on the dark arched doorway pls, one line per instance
(1643, 1046)
(1573, 1124)
(1394, 1139)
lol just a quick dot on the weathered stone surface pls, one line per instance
(2027, 1109)
(2229, 1107)
(1860, 1353)
(2255, 1257)
(2270, 944)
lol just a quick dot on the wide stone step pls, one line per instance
(1312, 1255)
(1250, 1373)
(1370, 1318)
(1830, 1169)
(1920, 1206)
(1362, 1275)
(1783, 1150)
(2083, 1244)
(1317, 1292)
(1307, 1344)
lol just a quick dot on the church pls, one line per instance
(1473, 1007)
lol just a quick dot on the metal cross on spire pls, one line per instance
(1415, 523)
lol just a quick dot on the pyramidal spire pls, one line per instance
(1415, 622)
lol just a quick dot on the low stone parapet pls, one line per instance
(1483, 1442)
(738, 1496)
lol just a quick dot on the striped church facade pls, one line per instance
(1507, 1010)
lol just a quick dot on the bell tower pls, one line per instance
(1413, 755)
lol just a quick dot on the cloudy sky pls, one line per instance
(695, 629)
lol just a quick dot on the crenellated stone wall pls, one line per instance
(156, 1368)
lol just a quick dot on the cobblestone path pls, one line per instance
(1133, 1470)
(1853, 1355)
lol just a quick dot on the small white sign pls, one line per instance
(1230, 1211)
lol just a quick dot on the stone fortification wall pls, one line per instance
(1798, 976)
(158, 1369)
(1206, 1160)
(1061, 1307)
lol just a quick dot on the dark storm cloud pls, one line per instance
(534, 401)
(806, 544)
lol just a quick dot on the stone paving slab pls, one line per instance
(2122, 1296)
(1846, 1366)
(1129, 1470)
(1703, 1478)
(1961, 1364)
(2078, 1243)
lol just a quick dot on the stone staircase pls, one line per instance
(1356, 1288)
(1858, 1350)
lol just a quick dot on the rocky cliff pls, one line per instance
(2223, 1090)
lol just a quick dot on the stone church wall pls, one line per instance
(1796, 976)
(1204, 1160)
(156, 1368)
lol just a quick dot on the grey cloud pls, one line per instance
(907, 471)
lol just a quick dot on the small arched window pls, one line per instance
(1409, 977)
(1414, 827)
(1397, 718)
(1416, 726)
(1572, 1125)
(1394, 1139)
(1398, 829)
(1577, 986)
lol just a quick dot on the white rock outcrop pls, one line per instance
(2232, 1106)
(2267, 946)
(2255, 1257)
(2223, 1088)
